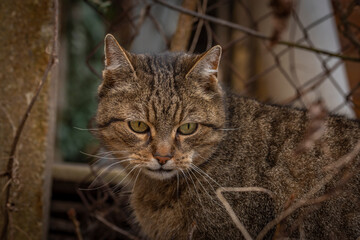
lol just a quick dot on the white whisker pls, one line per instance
(119, 184)
(185, 178)
(177, 184)
(98, 156)
(211, 197)
(200, 182)
(197, 193)
(136, 179)
(106, 169)
(90, 188)
(207, 175)
(228, 129)
(87, 129)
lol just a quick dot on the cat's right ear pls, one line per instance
(118, 68)
(116, 58)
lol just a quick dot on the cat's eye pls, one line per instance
(187, 128)
(138, 126)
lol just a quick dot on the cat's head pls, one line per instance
(160, 113)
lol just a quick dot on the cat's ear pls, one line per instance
(207, 65)
(116, 58)
(118, 68)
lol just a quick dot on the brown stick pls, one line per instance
(229, 209)
(115, 228)
(72, 215)
(182, 34)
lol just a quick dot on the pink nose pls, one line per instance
(162, 159)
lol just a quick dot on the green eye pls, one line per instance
(138, 126)
(187, 128)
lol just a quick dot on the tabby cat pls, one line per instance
(181, 138)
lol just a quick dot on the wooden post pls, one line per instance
(27, 33)
(182, 35)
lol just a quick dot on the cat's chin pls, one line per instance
(160, 174)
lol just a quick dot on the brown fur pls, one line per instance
(239, 143)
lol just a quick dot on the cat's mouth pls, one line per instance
(161, 173)
(160, 170)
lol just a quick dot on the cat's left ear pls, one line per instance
(116, 58)
(208, 64)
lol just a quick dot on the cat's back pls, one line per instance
(262, 150)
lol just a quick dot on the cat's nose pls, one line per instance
(162, 159)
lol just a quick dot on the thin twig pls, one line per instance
(23, 232)
(9, 118)
(192, 230)
(115, 228)
(229, 209)
(90, 56)
(72, 215)
(254, 33)
(202, 9)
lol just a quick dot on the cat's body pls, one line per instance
(236, 142)
(258, 151)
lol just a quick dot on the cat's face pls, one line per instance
(162, 114)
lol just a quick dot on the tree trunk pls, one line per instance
(27, 29)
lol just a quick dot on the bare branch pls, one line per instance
(115, 228)
(192, 230)
(316, 127)
(229, 209)
(72, 215)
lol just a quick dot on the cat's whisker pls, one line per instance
(228, 129)
(195, 171)
(102, 171)
(98, 156)
(117, 151)
(213, 199)
(105, 170)
(90, 188)
(177, 184)
(87, 129)
(191, 172)
(205, 174)
(197, 193)
(101, 162)
(119, 184)
(107, 153)
(187, 183)
(136, 179)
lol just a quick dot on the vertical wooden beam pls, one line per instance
(352, 68)
(27, 29)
